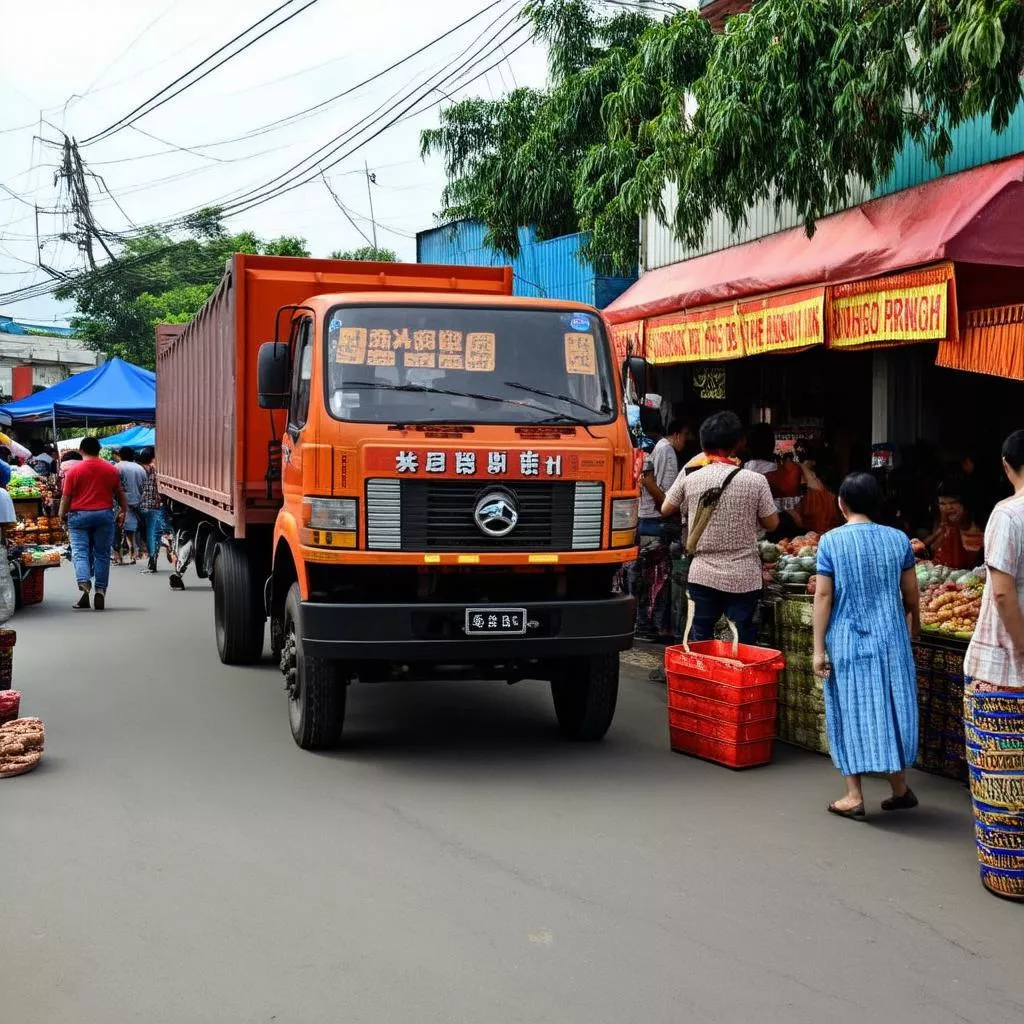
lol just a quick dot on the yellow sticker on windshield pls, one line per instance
(480, 352)
(580, 354)
(352, 346)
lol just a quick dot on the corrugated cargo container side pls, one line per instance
(195, 404)
(166, 333)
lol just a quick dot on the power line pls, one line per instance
(144, 108)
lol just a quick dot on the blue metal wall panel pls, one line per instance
(974, 144)
(550, 269)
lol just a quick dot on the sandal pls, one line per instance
(901, 803)
(854, 813)
(83, 602)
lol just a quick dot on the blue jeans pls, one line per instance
(153, 524)
(92, 537)
(710, 605)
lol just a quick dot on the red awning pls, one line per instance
(976, 216)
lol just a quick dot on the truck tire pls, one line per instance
(585, 693)
(317, 688)
(237, 606)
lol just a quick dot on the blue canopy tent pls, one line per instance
(135, 437)
(115, 392)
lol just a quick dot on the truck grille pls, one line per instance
(437, 515)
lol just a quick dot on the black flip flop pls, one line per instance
(854, 813)
(901, 803)
(82, 604)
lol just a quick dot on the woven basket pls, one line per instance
(1010, 839)
(997, 817)
(1003, 882)
(1001, 789)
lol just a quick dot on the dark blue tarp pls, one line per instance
(116, 392)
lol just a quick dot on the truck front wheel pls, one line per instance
(585, 691)
(317, 688)
(237, 609)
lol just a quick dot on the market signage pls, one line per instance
(627, 339)
(899, 309)
(776, 323)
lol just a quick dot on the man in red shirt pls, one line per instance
(90, 489)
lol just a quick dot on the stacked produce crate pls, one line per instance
(801, 699)
(722, 701)
(940, 700)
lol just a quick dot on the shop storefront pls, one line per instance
(895, 337)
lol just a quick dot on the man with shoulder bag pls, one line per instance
(723, 508)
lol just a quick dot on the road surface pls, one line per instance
(177, 860)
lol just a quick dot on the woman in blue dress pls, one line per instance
(866, 608)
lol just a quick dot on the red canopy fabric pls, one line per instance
(975, 216)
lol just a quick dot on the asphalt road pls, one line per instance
(177, 859)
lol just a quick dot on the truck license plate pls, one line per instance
(495, 621)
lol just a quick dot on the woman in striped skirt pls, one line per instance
(866, 608)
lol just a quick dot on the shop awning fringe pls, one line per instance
(992, 342)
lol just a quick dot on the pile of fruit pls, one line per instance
(950, 599)
(24, 488)
(39, 530)
(792, 562)
(33, 558)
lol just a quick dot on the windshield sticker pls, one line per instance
(579, 322)
(352, 346)
(480, 352)
(580, 354)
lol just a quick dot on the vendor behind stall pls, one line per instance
(957, 540)
(818, 511)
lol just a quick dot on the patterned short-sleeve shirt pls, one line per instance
(991, 656)
(726, 558)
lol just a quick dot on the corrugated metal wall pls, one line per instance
(974, 143)
(550, 269)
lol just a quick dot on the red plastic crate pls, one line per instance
(732, 755)
(720, 710)
(731, 732)
(716, 670)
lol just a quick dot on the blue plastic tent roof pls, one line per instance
(136, 437)
(114, 392)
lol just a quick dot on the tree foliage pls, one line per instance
(159, 278)
(370, 253)
(797, 101)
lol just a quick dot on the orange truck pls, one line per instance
(410, 473)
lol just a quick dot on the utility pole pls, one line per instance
(371, 179)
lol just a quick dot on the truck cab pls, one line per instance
(457, 498)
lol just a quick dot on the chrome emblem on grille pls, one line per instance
(496, 514)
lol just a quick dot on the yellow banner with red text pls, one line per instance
(776, 323)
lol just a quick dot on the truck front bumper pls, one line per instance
(436, 632)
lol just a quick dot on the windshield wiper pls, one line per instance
(605, 408)
(425, 389)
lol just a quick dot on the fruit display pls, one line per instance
(34, 558)
(790, 562)
(24, 488)
(950, 599)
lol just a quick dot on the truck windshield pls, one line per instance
(421, 364)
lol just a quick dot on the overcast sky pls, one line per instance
(85, 65)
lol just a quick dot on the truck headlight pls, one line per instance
(329, 522)
(624, 514)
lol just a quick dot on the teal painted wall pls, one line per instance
(974, 143)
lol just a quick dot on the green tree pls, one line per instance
(795, 101)
(156, 278)
(370, 253)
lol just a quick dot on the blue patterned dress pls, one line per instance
(871, 696)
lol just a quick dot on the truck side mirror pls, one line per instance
(274, 375)
(636, 367)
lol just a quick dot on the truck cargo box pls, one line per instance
(212, 435)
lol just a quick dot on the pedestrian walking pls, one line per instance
(151, 510)
(866, 609)
(133, 480)
(90, 490)
(651, 571)
(723, 509)
(994, 705)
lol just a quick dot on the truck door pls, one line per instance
(298, 409)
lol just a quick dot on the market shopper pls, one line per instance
(133, 480)
(994, 705)
(866, 608)
(151, 510)
(725, 574)
(90, 490)
(652, 571)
